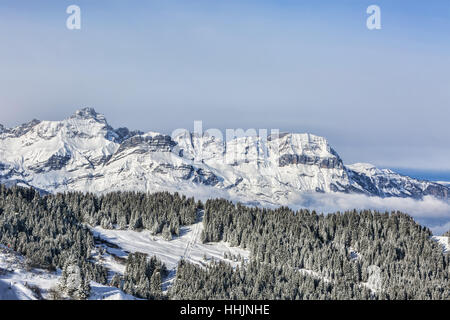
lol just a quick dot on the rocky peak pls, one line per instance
(88, 114)
(24, 128)
(125, 133)
(87, 122)
(144, 143)
(307, 149)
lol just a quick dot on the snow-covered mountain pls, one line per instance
(84, 153)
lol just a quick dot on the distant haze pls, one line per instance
(381, 96)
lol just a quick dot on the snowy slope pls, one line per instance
(84, 153)
(187, 246)
(16, 279)
(17, 282)
(385, 182)
(101, 292)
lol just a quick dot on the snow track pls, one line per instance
(186, 246)
(197, 229)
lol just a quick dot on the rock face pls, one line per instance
(84, 153)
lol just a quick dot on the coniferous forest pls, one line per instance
(293, 254)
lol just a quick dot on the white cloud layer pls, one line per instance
(429, 211)
(428, 207)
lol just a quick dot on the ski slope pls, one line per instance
(187, 246)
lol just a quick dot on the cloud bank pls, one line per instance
(429, 211)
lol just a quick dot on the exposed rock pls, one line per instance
(55, 162)
(328, 163)
(24, 128)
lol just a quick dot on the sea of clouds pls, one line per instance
(429, 211)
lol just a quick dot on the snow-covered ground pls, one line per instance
(187, 246)
(444, 241)
(101, 292)
(117, 244)
(17, 282)
(16, 279)
(10, 290)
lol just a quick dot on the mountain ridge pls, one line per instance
(84, 153)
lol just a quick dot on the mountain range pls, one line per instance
(84, 153)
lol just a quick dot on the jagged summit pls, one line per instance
(83, 153)
(88, 113)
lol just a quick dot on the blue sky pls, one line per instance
(303, 66)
